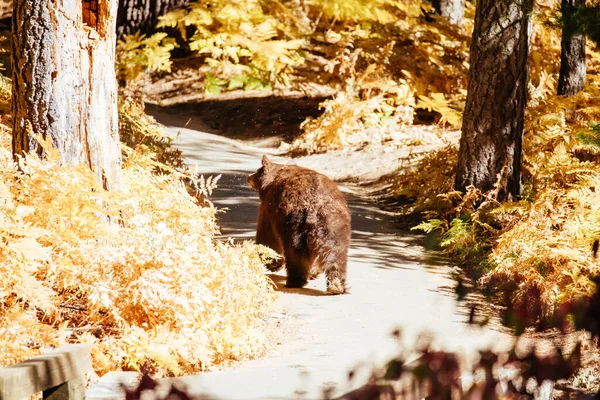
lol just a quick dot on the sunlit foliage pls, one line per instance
(242, 44)
(138, 54)
(537, 251)
(386, 68)
(385, 58)
(136, 273)
(394, 64)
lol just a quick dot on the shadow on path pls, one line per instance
(279, 281)
(242, 118)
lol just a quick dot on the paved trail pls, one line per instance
(395, 283)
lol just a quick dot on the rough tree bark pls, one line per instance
(142, 15)
(492, 132)
(64, 83)
(571, 78)
(454, 10)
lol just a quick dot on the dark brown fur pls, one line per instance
(303, 216)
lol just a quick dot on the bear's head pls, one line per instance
(259, 179)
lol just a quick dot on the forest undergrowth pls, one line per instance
(535, 254)
(384, 59)
(136, 273)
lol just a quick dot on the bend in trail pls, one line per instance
(395, 283)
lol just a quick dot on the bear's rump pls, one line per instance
(317, 238)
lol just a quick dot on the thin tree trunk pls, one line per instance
(492, 132)
(142, 15)
(299, 10)
(454, 10)
(64, 83)
(571, 78)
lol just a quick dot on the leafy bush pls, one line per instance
(371, 108)
(422, 185)
(244, 46)
(138, 55)
(153, 288)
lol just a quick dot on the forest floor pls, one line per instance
(396, 283)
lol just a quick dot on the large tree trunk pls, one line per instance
(571, 79)
(492, 132)
(64, 83)
(454, 10)
(142, 15)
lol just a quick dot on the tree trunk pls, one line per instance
(299, 10)
(454, 10)
(64, 83)
(492, 132)
(142, 15)
(571, 79)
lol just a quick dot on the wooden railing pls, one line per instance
(58, 374)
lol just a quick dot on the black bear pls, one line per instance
(303, 216)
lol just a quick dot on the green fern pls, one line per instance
(460, 234)
(430, 226)
(591, 137)
(213, 85)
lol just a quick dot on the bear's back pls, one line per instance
(293, 190)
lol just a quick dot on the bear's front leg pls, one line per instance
(266, 236)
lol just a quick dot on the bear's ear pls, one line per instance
(266, 163)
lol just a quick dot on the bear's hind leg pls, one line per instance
(335, 271)
(297, 270)
(336, 283)
(315, 270)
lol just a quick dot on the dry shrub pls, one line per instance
(548, 251)
(385, 72)
(351, 124)
(372, 108)
(138, 131)
(150, 288)
(421, 184)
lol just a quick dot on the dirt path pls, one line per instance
(395, 283)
